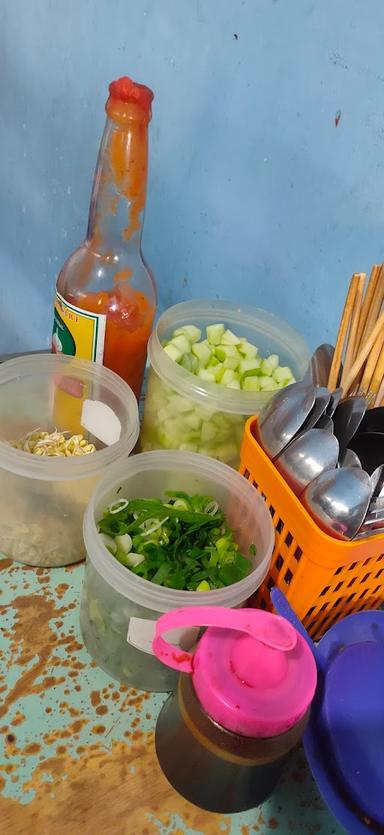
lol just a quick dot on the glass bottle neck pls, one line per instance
(119, 190)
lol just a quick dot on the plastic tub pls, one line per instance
(43, 498)
(182, 411)
(113, 597)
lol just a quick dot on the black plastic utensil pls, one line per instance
(369, 446)
(347, 419)
(373, 420)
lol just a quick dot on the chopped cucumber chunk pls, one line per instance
(218, 372)
(269, 364)
(182, 343)
(215, 334)
(213, 361)
(268, 384)
(202, 352)
(206, 374)
(208, 432)
(251, 384)
(193, 420)
(174, 353)
(224, 351)
(163, 414)
(283, 375)
(231, 362)
(203, 586)
(247, 350)
(228, 376)
(230, 338)
(249, 365)
(189, 447)
(190, 331)
(181, 404)
(190, 363)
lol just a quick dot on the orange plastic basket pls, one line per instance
(323, 578)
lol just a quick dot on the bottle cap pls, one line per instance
(126, 90)
(252, 672)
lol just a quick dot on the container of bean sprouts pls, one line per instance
(63, 423)
(164, 530)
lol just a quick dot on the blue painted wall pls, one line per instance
(255, 193)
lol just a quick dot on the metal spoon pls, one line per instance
(284, 416)
(377, 479)
(347, 419)
(322, 396)
(374, 519)
(366, 534)
(350, 459)
(338, 500)
(373, 524)
(334, 402)
(306, 457)
(320, 365)
(325, 422)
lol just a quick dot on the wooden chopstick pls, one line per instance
(380, 395)
(343, 328)
(363, 353)
(373, 278)
(375, 306)
(350, 352)
(378, 373)
(365, 384)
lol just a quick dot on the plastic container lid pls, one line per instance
(354, 713)
(252, 672)
(345, 742)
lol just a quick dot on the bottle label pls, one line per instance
(78, 332)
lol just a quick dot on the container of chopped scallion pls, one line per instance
(166, 529)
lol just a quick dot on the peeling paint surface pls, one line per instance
(77, 748)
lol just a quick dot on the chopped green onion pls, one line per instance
(181, 543)
(117, 506)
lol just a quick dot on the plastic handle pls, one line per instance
(273, 631)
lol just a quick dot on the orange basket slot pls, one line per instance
(324, 578)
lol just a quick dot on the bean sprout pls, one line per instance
(53, 444)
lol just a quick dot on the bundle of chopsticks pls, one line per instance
(358, 361)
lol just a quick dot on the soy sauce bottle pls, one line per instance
(241, 706)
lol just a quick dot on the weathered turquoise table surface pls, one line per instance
(77, 747)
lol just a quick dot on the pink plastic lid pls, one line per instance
(252, 672)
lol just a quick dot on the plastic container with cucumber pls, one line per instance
(212, 365)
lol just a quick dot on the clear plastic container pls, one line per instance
(184, 412)
(43, 498)
(113, 595)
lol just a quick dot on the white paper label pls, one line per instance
(141, 633)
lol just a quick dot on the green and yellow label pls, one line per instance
(78, 332)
